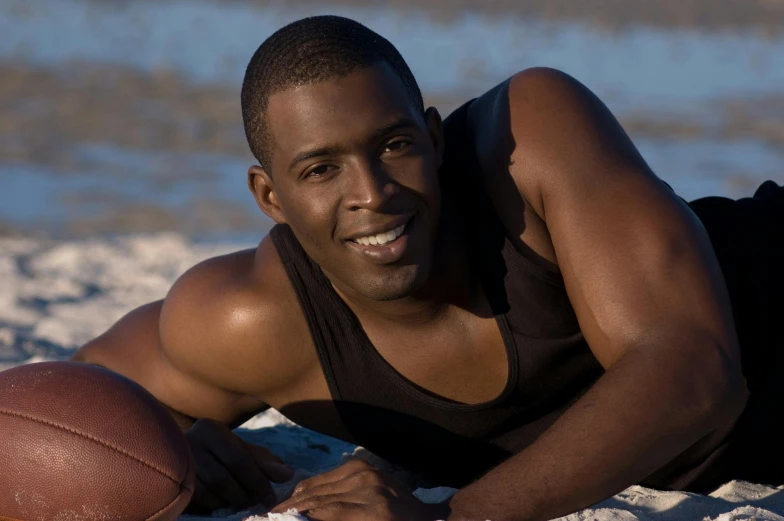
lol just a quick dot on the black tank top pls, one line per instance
(550, 363)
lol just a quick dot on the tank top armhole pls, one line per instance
(522, 259)
(457, 127)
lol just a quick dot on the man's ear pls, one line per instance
(435, 128)
(263, 190)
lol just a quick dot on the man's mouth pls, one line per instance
(381, 238)
(385, 247)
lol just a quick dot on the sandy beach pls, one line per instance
(766, 16)
(59, 294)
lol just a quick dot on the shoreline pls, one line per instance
(178, 135)
(766, 16)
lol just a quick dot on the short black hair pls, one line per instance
(306, 51)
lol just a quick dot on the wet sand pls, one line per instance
(55, 117)
(766, 16)
(47, 110)
(48, 113)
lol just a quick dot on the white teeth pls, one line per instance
(381, 238)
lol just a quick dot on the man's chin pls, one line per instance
(405, 282)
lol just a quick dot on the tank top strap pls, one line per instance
(330, 324)
(493, 254)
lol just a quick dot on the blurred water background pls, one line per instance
(123, 116)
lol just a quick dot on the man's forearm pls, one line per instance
(641, 413)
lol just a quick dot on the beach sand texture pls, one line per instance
(57, 295)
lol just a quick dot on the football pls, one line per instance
(81, 443)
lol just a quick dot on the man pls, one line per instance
(509, 302)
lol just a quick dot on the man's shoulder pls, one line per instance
(527, 101)
(252, 278)
(508, 165)
(234, 320)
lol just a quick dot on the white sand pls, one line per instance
(56, 296)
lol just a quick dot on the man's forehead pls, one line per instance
(363, 101)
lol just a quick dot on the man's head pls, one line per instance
(307, 51)
(336, 120)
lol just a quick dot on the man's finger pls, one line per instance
(239, 462)
(315, 502)
(271, 465)
(351, 486)
(219, 481)
(351, 467)
(340, 511)
(327, 490)
(260, 453)
(203, 501)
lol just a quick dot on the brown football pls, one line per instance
(81, 443)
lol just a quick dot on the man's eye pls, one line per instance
(318, 171)
(395, 146)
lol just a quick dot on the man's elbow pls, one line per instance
(718, 388)
(729, 404)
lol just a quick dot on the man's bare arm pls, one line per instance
(649, 295)
(131, 347)
(209, 352)
(172, 370)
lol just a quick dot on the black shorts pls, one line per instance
(748, 237)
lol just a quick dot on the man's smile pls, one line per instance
(386, 246)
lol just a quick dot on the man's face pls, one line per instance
(355, 173)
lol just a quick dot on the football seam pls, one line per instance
(93, 439)
(171, 503)
(176, 498)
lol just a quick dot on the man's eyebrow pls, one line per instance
(327, 150)
(316, 152)
(401, 123)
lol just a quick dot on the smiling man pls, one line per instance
(509, 301)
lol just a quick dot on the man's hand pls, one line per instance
(357, 491)
(231, 472)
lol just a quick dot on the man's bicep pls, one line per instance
(133, 348)
(637, 263)
(128, 344)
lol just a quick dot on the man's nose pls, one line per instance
(370, 187)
